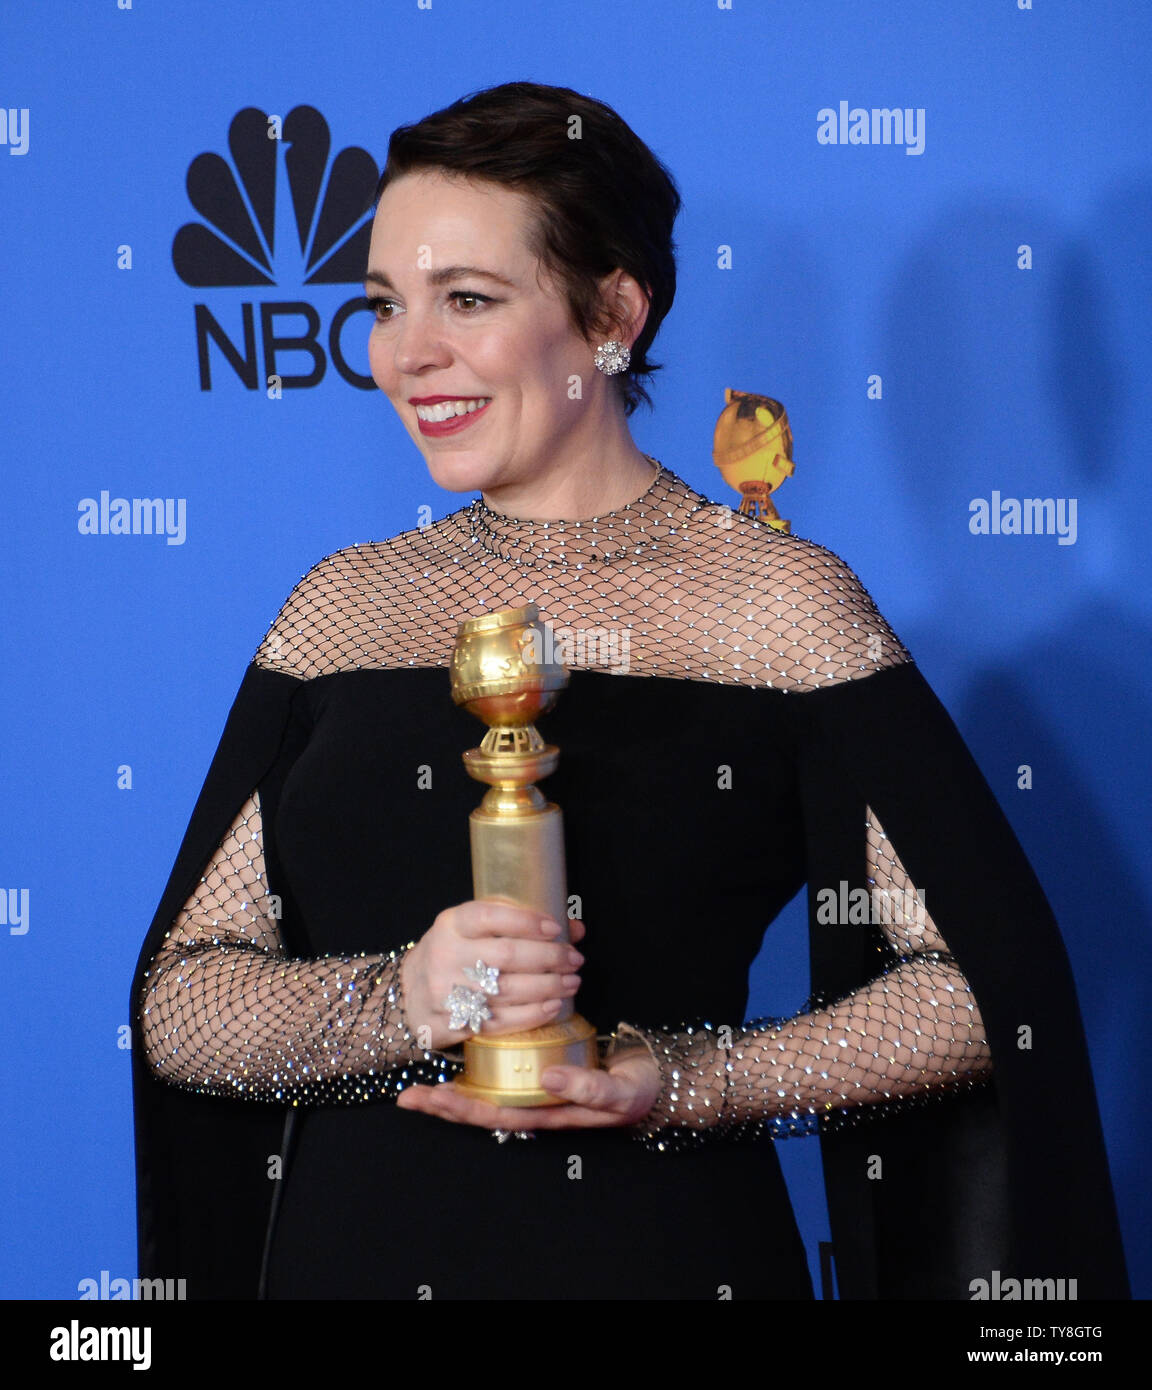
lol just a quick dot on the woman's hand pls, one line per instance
(537, 969)
(621, 1095)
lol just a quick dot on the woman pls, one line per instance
(306, 953)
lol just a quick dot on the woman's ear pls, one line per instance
(624, 308)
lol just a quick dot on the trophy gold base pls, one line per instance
(506, 1070)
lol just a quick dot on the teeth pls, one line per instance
(447, 410)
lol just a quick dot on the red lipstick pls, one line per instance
(438, 428)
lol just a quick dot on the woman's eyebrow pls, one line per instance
(439, 277)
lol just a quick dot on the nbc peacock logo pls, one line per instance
(319, 237)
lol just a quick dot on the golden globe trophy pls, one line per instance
(752, 447)
(503, 673)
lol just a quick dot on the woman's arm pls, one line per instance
(225, 1009)
(915, 1028)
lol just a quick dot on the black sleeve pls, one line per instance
(1012, 1178)
(190, 1145)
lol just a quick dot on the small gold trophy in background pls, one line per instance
(752, 448)
(503, 673)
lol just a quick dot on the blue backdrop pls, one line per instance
(955, 313)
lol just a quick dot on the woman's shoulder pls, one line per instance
(788, 604)
(349, 609)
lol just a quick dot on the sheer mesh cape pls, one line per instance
(668, 586)
(958, 955)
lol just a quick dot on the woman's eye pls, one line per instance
(467, 302)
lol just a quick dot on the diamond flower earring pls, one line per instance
(613, 357)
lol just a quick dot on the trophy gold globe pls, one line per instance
(752, 447)
(503, 673)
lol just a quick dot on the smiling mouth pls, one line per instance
(448, 410)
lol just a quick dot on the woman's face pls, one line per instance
(473, 344)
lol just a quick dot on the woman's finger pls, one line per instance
(517, 1018)
(447, 1103)
(597, 1091)
(523, 957)
(493, 918)
(596, 1099)
(532, 989)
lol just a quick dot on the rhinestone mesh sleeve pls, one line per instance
(912, 1033)
(226, 1010)
(670, 585)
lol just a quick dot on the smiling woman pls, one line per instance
(476, 347)
(297, 1000)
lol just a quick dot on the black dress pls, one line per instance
(694, 811)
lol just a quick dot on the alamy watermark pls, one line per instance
(133, 516)
(1024, 516)
(1009, 1290)
(841, 906)
(877, 125)
(76, 1343)
(14, 128)
(603, 647)
(14, 910)
(143, 1290)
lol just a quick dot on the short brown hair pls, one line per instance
(604, 200)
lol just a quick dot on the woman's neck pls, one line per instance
(584, 481)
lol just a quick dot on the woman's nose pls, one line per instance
(419, 343)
